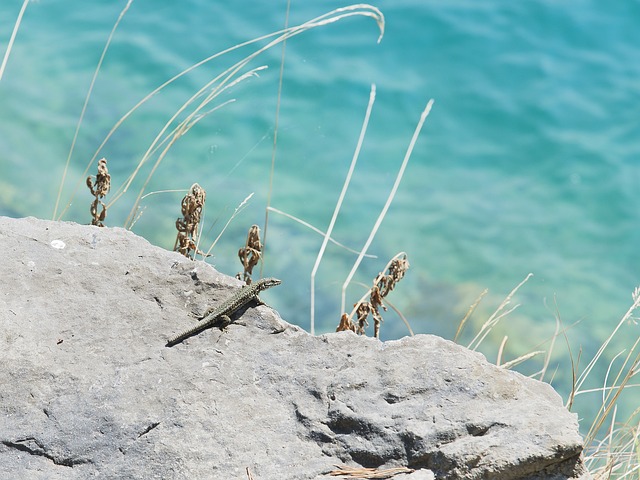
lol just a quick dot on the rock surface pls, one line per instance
(89, 389)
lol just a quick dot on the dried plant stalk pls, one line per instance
(363, 472)
(187, 227)
(99, 189)
(382, 285)
(250, 254)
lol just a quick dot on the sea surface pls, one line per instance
(529, 161)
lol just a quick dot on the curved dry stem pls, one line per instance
(467, 315)
(181, 129)
(402, 317)
(496, 316)
(317, 230)
(333, 16)
(238, 209)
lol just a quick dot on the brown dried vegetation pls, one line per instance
(382, 285)
(250, 254)
(187, 226)
(99, 189)
(363, 472)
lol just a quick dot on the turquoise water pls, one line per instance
(528, 162)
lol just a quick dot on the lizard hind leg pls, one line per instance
(225, 321)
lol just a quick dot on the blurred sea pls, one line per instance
(528, 162)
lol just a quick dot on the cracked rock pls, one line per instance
(89, 388)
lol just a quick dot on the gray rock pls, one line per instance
(89, 389)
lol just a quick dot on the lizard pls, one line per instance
(221, 314)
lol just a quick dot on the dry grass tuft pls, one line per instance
(611, 446)
(192, 205)
(362, 472)
(99, 189)
(250, 254)
(382, 285)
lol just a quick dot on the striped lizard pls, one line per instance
(221, 314)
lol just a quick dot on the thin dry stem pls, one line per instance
(583, 376)
(226, 76)
(276, 122)
(179, 131)
(317, 230)
(512, 363)
(238, 209)
(501, 350)
(363, 472)
(496, 316)
(472, 309)
(402, 317)
(12, 39)
(547, 359)
(336, 210)
(84, 107)
(390, 198)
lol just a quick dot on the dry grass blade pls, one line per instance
(392, 193)
(317, 230)
(12, 39)
(615, 455)
(547, 359)
(84, 108)
(618, 454)
(472, 309)
(180, 130)
(238, 209)
(501, 350)
(364, 473)
(274, 147)
(496, 316)
(612, 399)
(223, 81)
(512, 363)
(402, 317)
(334, 217)
(627, 316)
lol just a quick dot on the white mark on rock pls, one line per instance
(59, 244)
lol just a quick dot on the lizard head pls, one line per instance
(270, 282)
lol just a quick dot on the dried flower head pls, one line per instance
(382, 285)
(187, 226)
(250, 254)
(99, 189)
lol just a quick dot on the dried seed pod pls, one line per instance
(99, 189)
